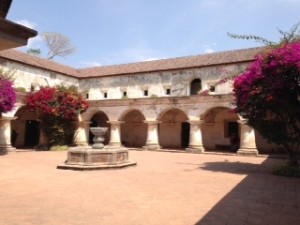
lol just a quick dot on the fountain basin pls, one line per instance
(80, 158)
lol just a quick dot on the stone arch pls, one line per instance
(173, 130)
(25, 130)
(195, 86)
(133, 130)
(219, 124)
(99, 119)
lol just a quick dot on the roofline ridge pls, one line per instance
(173, 58)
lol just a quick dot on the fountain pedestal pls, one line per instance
(96, 156)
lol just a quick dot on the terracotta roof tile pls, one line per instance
(219, 58)
(35, 61)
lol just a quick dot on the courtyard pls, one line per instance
(168, 188)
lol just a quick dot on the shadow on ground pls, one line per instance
(259, 199)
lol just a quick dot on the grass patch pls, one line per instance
(286, 170)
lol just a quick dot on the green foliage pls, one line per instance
(59, 108)
(59, 131)
(59, 148)
(285, 36)
(21, 89)
(267, 94)
(35, 52)
(251, 37)
(286, 170)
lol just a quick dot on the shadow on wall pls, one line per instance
(261, 198)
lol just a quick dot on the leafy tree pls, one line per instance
(32, 51)
(268, 96)
(58, 108)
(58, 44)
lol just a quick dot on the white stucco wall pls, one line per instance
(157, 82)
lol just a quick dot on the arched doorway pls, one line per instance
(100, 119)
(220, 124)
(174, 130)
(25, 130)
(195, 86)
(133, 130)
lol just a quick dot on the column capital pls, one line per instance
(84, 121)
(242, 121)
(195, 122)
(8, 118)
(115, 122)
(152, 122)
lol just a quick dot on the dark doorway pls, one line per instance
(233, 128)
(32, 133)
(185, 134)
(195, 87)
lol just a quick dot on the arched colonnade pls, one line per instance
(173, 128)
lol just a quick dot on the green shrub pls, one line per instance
(286, 170)
(21, 89)
(59, 148)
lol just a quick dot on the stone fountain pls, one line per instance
(97, 156)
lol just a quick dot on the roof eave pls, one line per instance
(13, 35)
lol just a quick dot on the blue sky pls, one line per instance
(107, 32)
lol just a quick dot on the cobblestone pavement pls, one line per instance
(163, 189)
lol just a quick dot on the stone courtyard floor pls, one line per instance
(163, 189)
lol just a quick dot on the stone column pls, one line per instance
(43, 142)
(195, 142)
(152, 135)
(247, 139)
(115, 133)
(5, 134)
(82, 133)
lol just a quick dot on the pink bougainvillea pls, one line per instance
(57, 102)
(7, 95)
(272, 79)
(267, 94)
(59, 108)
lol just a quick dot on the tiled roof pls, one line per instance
(35, 61)
(219, 58)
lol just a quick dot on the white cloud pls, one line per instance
(138, 54)
(90, 64)
(151, 59)
(34, 43)
(208, 50)
(27, 23)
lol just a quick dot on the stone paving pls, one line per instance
(163, 189)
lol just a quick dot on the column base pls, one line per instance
(115, 145)
(81, 143)
(42, 147)
(198, 149)
(247, 152)
(5, 149)
(151, 147)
